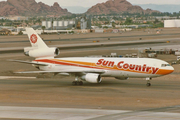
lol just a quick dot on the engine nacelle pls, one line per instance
(46, 52)
(92, 78)
(122, 78)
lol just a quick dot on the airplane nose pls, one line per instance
(172, 69)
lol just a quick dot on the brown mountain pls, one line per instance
(30, 8)
(116, 6)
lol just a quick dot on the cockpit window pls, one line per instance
(164, 65)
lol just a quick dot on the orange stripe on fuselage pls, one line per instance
(164, 72)
(93, 65)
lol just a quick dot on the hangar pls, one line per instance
(171, 23)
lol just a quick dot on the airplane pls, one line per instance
(91, 69)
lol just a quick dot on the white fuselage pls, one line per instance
(113, 67)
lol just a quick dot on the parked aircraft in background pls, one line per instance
(91, 69)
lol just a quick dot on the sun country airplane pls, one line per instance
(91, 69)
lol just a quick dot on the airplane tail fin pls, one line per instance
(35, 39)
(39, 49)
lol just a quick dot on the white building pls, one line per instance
(64, 23)
(171, 23)
(17, 18)
(83, 23)
(2, 18)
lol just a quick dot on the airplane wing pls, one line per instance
(29, 62)
(60, 71)
(67, 71)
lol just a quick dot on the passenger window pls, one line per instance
(163, 65)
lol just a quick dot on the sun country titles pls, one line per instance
(127, 66)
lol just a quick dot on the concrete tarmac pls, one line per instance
(44, 113)
(64, 41)
(55, 98)
(97, 44)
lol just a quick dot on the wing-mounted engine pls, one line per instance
(122, 78)
(41, 52)
(92, 78)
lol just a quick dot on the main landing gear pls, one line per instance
(148, 82)
(77, 82)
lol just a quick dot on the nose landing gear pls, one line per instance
(148, 82)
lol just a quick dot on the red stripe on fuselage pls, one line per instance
(65, 63)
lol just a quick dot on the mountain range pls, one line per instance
(32, 8)
(117, 7)
(162, 8)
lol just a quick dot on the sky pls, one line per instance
(89, 3)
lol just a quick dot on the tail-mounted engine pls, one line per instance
(38, 53)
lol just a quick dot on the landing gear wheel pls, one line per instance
(148, 84)
(74, 82)
(77, 83)
(148, 79)
(80, 83)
